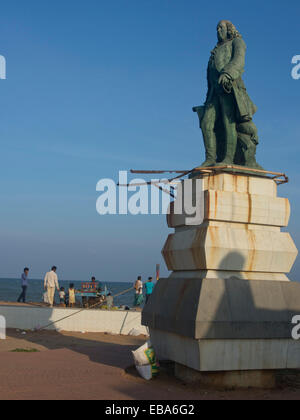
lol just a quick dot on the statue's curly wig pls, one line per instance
(231, 30)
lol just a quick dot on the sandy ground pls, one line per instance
(94, 366)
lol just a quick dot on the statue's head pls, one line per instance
(226, 30)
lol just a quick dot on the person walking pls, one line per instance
(50, 283)
(149, 286)
(24, 285)
(138, 299)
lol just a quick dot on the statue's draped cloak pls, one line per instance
(229, 58)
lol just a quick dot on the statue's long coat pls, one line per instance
(229, 58)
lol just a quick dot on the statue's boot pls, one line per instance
(211, 153)
(230, 154)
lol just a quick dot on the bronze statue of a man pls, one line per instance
(229, 133)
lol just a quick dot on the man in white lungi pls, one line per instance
(50, 283)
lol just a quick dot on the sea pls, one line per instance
(10, 290)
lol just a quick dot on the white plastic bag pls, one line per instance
(145, 361)
(134, 333)
(145, 372)
(45, 297)
(139, 355)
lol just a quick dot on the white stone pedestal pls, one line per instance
(228, 304)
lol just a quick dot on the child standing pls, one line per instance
(72, 299)
(62, 296)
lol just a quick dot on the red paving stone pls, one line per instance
(65, 374)
(96, 370)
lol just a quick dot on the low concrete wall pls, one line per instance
(116, 322)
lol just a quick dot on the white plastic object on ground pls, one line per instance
(145, 371)
(139, 355)
(145, 361)
(134, 333)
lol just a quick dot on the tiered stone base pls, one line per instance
(225, 325)
(228, 304)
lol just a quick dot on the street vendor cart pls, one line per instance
(91, 293)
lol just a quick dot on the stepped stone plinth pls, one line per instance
(228, 303)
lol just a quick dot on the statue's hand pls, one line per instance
(226, 82)
(224, 78)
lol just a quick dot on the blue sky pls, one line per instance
(96, 87)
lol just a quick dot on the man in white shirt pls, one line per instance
(50, 282)
(138, 299)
